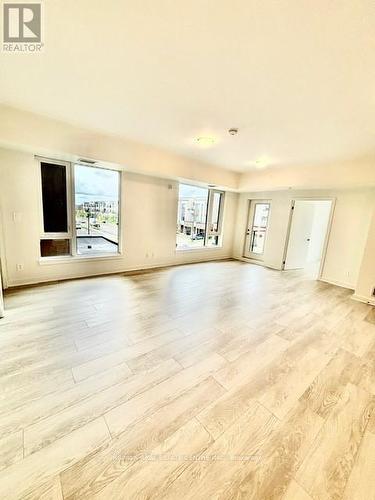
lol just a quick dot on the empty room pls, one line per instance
(187, 250)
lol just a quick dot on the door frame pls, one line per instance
(3, 276)
(251, 223)
(328, 232)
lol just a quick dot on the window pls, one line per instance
(96, 210)
(199, 217)
(96, 195)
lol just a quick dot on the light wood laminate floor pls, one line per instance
(209, 381)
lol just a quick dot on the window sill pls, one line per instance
(204, 249)
(45, 261)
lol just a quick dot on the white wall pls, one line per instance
(149, 215)
(40, 135)
(351, 220)
(339, 175)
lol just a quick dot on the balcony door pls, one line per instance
(256, 234)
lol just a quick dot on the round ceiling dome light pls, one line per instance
(205, 141)
(233, 131)
(261, 163)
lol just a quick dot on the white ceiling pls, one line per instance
(297, 77)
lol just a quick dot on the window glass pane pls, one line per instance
(96, 210)
(258, 234)
(55, 215)
(53, 248)
(191, 216)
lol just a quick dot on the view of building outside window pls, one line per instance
(191, 216)
(96, 209)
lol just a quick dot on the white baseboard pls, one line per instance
(256, 262)
(337, 283)
(127, 271)
(365, 300)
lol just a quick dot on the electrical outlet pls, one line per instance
(19, 267)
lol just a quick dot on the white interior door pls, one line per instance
(300, 234)
(255, 241)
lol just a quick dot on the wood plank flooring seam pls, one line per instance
(219, 383)
(268, 409)
(92, 397)
(165, 404)
(109, 430)
(178, 362)
(205, 428)
(302, 488)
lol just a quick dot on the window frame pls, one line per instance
(72, 231)
(209, 210)
(44, 235)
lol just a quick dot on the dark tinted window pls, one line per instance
(52, 248)
(55, 215)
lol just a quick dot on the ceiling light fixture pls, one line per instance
(206, 141)
(233, 131)
(260, 163)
